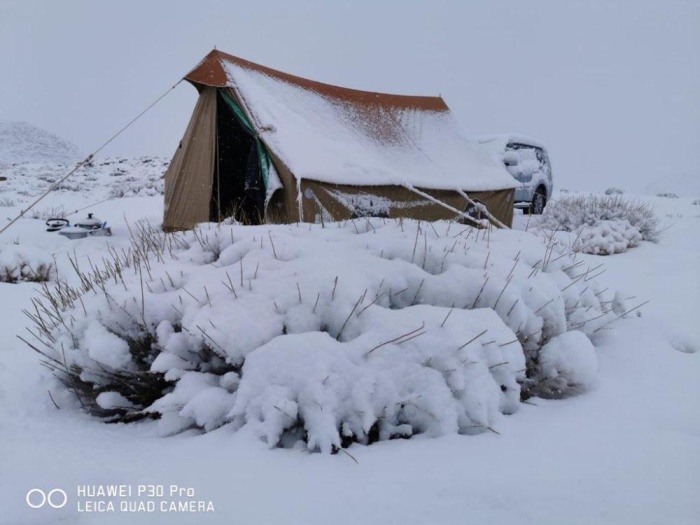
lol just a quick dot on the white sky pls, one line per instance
(612, 87)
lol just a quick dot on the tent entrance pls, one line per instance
(238, 188)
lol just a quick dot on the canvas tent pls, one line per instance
(262, 143)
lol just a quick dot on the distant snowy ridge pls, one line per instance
(683, 184)
(21, 142)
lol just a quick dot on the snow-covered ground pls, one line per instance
(105, 178)
(627, 451)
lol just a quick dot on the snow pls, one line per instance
(324, 382)
(607, 237)
(686, 184)
(524, 160)
(322, 139)
(499, 141)
(21, 142)
(366, 205)
(601, 225)
(625, 451)
(105, 178)
(355, 315)
(526, 163)
(571, 357)
(25, 263)
(109, 400)
(104, 347)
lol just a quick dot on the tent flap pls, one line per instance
(188, 180)
(263, 157)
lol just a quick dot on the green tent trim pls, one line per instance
(263, 156)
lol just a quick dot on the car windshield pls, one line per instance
(523, 160)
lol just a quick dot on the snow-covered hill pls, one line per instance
(22, 142)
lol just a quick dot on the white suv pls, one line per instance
(527, 161)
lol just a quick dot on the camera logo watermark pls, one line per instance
(141, 498)
(37, 498)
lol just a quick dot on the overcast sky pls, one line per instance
(612, 87)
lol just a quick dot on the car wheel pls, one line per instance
(539, 201)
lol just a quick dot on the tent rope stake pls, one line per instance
(88, 159)
(485, 210)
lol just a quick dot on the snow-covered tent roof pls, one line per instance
(338, 135)
(263, 144)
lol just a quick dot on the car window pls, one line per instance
(529, 160)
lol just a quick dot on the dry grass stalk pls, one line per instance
(401, 339)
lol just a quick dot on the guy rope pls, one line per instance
(86, 160)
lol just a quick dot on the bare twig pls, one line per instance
(401, 339)
(446, 317)
(350, 315)
(473, 339)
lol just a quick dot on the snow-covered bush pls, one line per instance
(52, 212)
(602, 225)
(614, 191)
(6, 202)
(696, 202)
(136, 187)
(326, 334)
(668, 195)
(24, 263)
(607, 237)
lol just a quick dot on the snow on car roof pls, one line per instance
(500, 140)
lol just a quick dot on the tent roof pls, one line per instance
(211, 71)
(346, 136)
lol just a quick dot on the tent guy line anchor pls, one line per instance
(88, 159)
(461, 214)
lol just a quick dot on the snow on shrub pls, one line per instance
(612, 190)
(603, 225)
(52, 212)
(607, 237)
(25, 263)
(327, 334)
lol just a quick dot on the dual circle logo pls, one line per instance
(37, 498)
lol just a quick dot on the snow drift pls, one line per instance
(325, 335)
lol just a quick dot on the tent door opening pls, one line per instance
(238, 190)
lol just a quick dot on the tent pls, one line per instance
(262, 144)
